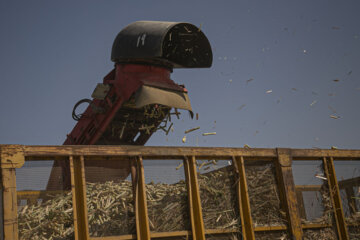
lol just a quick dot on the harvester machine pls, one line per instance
(138, 97)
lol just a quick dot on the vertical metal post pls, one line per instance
(329, 170)
(197, 223)
(243, 199)
(78, 189)
(142, 219)
(284, 171)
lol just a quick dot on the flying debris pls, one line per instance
(333, 147)
(294, 89)
(210, 133)
(336, 80)
(246, 146)
(191, 130)
(184, 139)
(180, 165)
(241, 107)
(311, 104)
(249, 80)
(269, 91)
(321, 177)
(334, 116)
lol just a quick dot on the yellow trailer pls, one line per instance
(222, 193)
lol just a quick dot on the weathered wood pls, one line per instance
(189, 194)
(1, 209)
(142, 219)
(98, 150)
(334, 191)
(197, 222)
(307, 188)
(133, 151)
(311, 153)
(123, 237)
(284, 171)
(300, 201)
(9, 204)
(243, 200)
(78, 188)
(12, 156)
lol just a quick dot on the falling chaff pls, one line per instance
(269, 91)
(336, 80)
(321, 177)
(179, 166)
(209, 133)
(249, 80)
(334, 116)
(333, 147)
(311, 104)
(191, 130)
(246, 146)
(184, 139)
(241, 107)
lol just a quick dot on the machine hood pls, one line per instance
(152, 95)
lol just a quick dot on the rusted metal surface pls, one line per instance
(329, 170)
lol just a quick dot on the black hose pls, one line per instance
(75, 116)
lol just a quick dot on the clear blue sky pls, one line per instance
(53, 53)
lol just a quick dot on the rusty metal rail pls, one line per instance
(14, 156)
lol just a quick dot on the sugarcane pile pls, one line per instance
(354, 232)
(320, 234)
(111, 210)
(264, 196)
(218, 199)
(167, 207)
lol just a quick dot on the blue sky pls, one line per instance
(53, 53)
